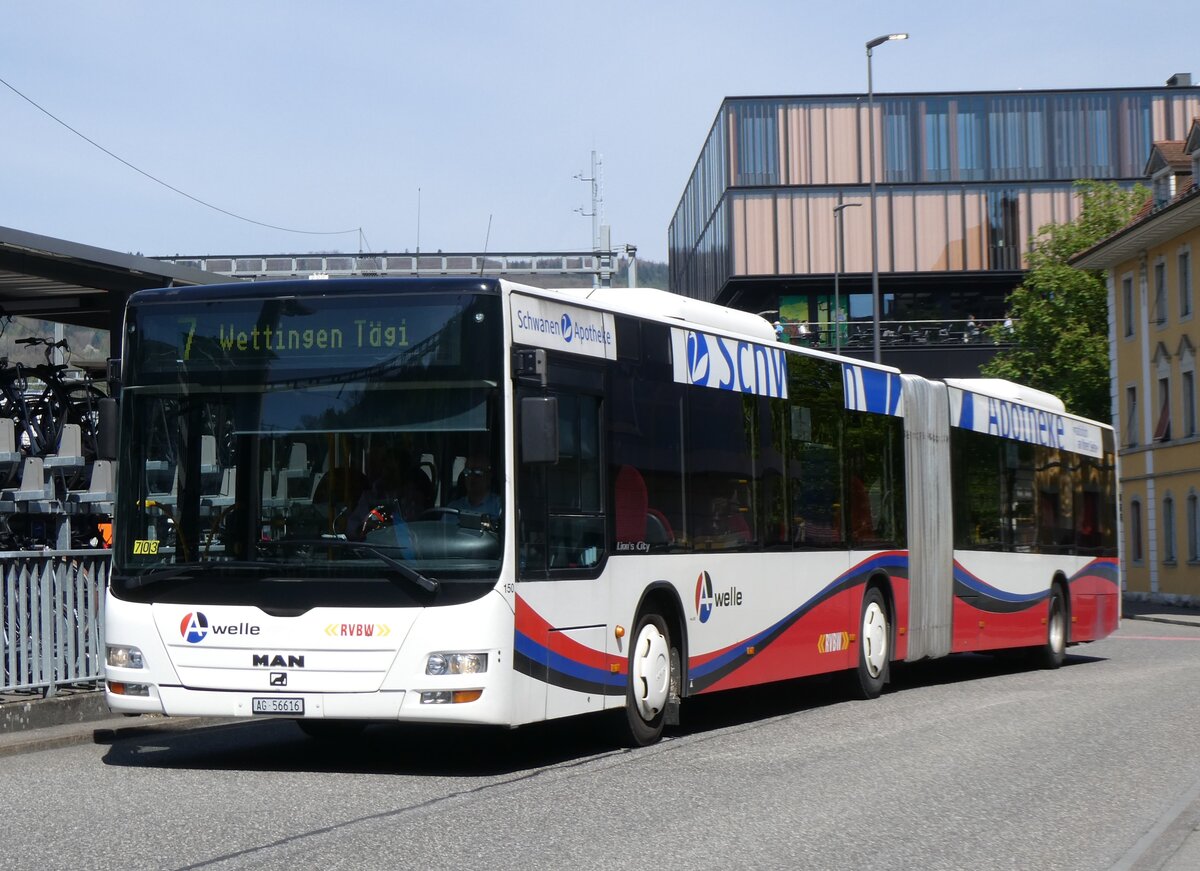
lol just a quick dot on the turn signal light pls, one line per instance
(128, 689)
(449, 697)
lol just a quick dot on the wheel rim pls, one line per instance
(874, 638)
(651, 671)
(1058, 627)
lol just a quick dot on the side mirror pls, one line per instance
(539, 429)
(106, 429)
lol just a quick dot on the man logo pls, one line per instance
(704, 597)
(567, 332)
(194, 628)
(699, 365)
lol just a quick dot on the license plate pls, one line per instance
(278, 706)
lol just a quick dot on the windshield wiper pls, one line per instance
(407, 572)
(167, 571)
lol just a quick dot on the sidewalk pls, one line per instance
(1158, 613)
(29, 723)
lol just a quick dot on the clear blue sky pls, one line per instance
(327, 116)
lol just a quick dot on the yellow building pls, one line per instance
(1154, 331)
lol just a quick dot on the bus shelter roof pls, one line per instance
(68, 282)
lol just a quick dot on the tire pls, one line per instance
(332, 730)
(874, 647)
(651, 680)
(1054, 651)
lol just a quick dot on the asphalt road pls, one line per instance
(964, 763)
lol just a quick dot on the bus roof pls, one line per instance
(666, 306)
(1010, 391)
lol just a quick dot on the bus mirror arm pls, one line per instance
(106, 429)
(539, 429)
(113, 375)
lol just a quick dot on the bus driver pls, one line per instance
(479, 497)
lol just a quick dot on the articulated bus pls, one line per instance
(469, 501)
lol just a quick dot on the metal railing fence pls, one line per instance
(52, 618)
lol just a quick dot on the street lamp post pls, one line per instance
(876, 303)
(837, 268)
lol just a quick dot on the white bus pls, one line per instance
(470, 501)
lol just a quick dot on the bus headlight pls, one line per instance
(124, 657)
(456, 663)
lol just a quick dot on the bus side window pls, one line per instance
(814, 454)
(646, 462)
(562, 504)
(721, 433)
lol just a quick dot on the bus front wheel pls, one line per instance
(650, 675)
(874, 647)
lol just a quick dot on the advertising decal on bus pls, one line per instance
(1023, 423)
(558, 327)
(776, 652)
(706, 601)
(871, 390)
(705, 360)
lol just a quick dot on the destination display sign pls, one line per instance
(312, 333)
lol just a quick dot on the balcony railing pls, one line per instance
(860, 334)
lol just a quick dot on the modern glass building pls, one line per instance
(963, 180)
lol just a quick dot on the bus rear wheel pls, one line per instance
(1054, 651)
(650, 677)
(874, 647)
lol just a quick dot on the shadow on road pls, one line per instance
(456, 751)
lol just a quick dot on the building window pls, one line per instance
(1135, 531)
(1004, 229)
(757, 144)
(1162, 429)
(1168, 529)
(1127, 303)
(1162, 189)
(1193, 527)
(1160, 293)
(1188, 420)
(1131, 432)
(970, 129)
(1185, 284)
(937, 141)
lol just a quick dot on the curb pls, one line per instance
(1159, 618)
(39, 713)
(106, 731)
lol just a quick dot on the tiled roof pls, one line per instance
(1169, 153)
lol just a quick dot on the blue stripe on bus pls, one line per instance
(556, 662)
(983, 588)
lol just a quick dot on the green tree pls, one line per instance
(1059, 334)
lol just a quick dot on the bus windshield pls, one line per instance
(346, 440)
